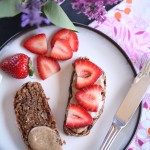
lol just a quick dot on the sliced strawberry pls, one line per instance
(69, 36)
(89, 97)
(16, 66)
(87, 73)
(61, 50)
(77, 117)
(46, 66)
(36, 44)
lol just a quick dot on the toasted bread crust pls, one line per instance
(71, 132)
(32, 110)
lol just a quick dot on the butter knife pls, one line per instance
(129, 105)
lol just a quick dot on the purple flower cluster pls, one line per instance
(93, 9)
(32, 13)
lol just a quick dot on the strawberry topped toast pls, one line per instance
(86, 97)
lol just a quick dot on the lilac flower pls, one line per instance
(93, 9)
(32, 13)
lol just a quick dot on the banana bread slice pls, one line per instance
(32, 110)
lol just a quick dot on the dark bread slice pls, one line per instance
(32, 110)
(86, 130)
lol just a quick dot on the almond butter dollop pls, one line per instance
(45, 138)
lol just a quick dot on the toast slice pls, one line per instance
(82, 131)
(32, 110)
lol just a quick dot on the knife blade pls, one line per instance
(129, 105)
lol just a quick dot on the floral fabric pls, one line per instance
(129, 25)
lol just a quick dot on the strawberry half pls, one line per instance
(89, 97)
(61, 50)
(46, 66)
(16, 66)
(36, 44)
(77, 117)
(69, 36)
(87, 73)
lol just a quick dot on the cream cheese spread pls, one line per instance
(100, 81)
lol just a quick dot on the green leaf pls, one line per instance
(30, 68)
(57, 16)
(9, 8)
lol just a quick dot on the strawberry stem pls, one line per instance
(30, 68)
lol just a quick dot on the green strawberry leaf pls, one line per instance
(57, 16)
(9, 8)
(30, 68)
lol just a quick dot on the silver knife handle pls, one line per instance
(112, 133)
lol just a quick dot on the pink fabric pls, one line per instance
(132, 33)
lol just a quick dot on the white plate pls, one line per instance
(92, 45)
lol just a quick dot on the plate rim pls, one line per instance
(101, 34)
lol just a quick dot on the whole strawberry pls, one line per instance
(16, 66)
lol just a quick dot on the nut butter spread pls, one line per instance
(45, 138)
